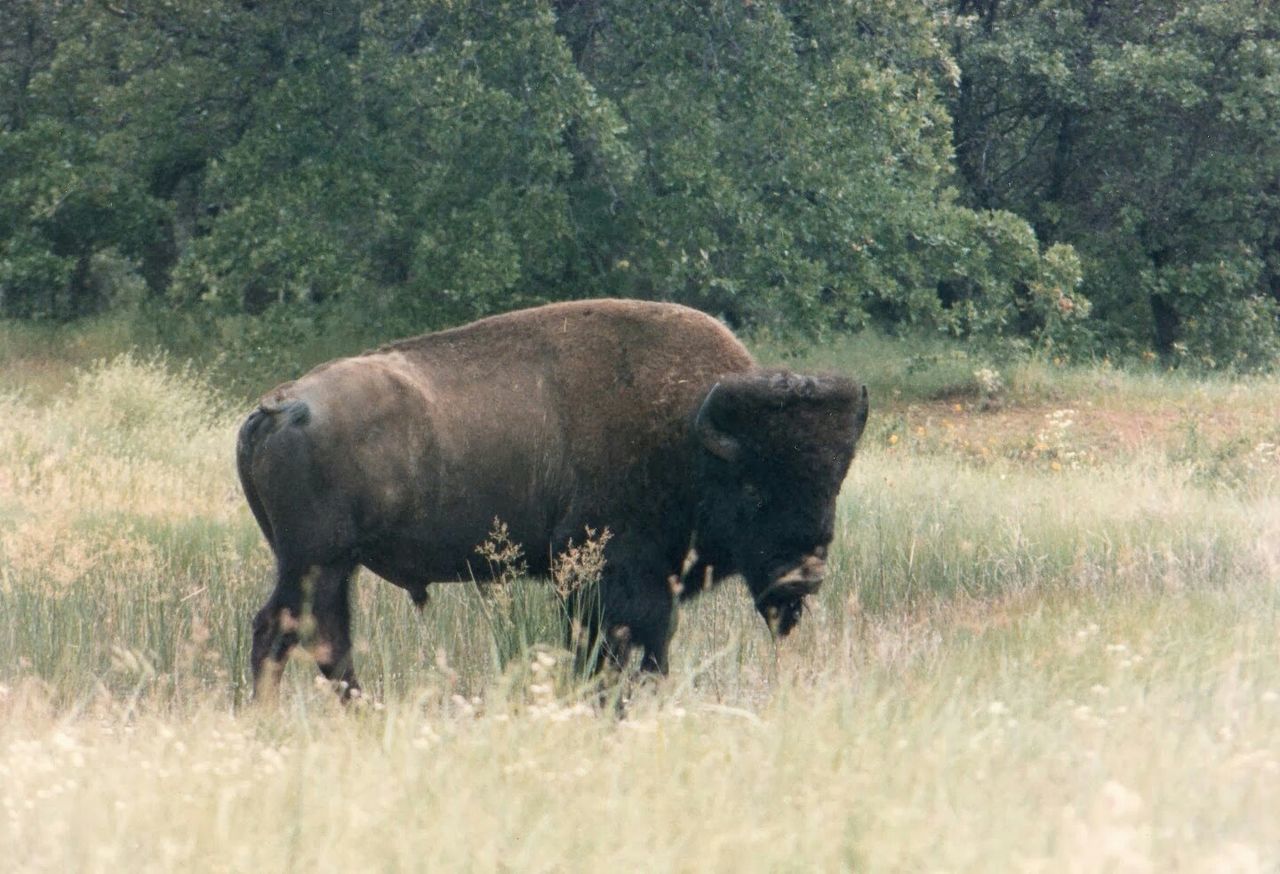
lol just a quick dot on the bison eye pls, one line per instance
(752, 495)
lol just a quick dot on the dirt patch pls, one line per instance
(1088, 432)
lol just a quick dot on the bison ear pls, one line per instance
(717, 442)
(860, 410)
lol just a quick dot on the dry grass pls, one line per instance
(1060, 654)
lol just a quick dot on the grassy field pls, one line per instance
(1050, 641)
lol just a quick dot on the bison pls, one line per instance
(646, 419)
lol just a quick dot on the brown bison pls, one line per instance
(647, 419)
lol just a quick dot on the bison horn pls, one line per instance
(716, 441)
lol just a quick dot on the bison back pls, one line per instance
(550, 419)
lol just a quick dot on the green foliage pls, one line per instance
(1146, 137)
(414, 160)
(412, 163)
(394, 165)
(61, 205)
(795, 163)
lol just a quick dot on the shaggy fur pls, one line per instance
(552, 420)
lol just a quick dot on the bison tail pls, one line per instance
(261, 423)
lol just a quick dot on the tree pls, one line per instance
(420, 162)
(62, 200)
(795, 168)
(1146, 136)
(415, 160)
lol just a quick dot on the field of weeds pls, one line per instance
(1050, 641)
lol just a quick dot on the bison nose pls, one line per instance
(809, 573)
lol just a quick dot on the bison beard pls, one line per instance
(650, 420)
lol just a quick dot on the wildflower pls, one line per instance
(989, 380)
(1120, 800)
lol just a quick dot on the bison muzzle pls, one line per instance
(649, 420)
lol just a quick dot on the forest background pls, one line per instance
(1050, 635)
(1084, 177)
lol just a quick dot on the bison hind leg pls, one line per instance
(330, 598)
(309, 606)
(275, 634)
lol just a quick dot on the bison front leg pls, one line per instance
(598, 640)
(638, 606)
(658, 643)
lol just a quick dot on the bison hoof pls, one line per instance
(418, 595)
(782, 616)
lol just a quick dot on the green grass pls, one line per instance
(913, 369)
(1039, 648)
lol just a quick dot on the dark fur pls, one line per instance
(554, 419)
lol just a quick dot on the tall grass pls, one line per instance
(1033, 660)
(916, 368)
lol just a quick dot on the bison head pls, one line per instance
(774, 449)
